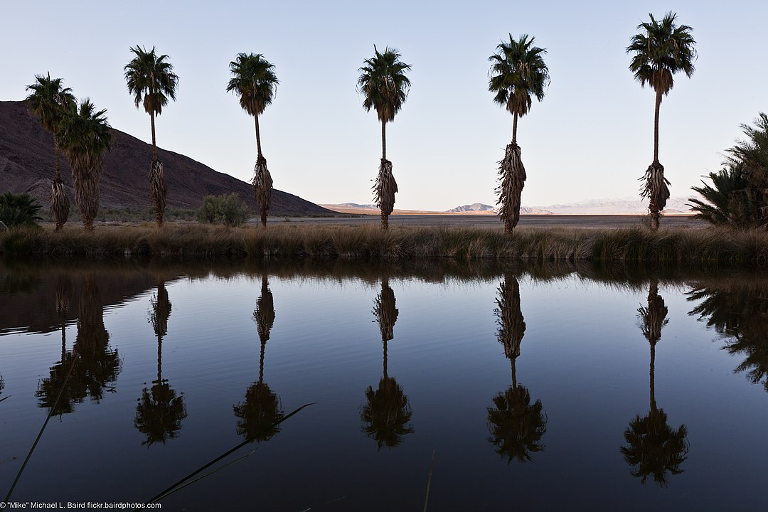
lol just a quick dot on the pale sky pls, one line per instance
(590, 138)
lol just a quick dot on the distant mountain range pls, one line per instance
(27, 159)
(621, 206)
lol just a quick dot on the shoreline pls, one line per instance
(678, 246)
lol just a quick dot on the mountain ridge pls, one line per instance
(27, 161)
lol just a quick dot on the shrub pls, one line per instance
(227, 209)
(19, 210)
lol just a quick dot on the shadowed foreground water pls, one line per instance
(540, 388)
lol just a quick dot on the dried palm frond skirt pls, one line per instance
(511, 182)
(262, 187)
(59, 202)
(157, 189)
(384, 190)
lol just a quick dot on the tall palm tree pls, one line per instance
(516, 425)
(518, 73)
(160, 411)
(661, 49)
(653, 447)
(260, 413)
(51, 101)
(254, 81)
(384, 84)
(84, 136)
(152, 82)
(387, 412)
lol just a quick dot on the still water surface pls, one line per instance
(479, 389)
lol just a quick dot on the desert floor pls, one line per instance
(492, 221)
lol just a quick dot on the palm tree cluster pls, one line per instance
(518, 74)
(738, 194)
(82, 134)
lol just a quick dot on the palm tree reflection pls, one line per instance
(653, 447)
(160, 411)
(92, 365)
(261, 412)
(739, 313)
(387, 412)
(516, 426)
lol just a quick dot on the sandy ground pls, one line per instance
(493, 222)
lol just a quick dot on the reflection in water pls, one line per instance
(92, 365)
(516, 425)
(653, 447)
(387, 411)
(160, 411)
(260, 413)
(739, 313)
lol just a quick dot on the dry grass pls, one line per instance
(634, 245)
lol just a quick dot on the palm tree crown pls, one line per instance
(150, 79)
(254, 80)
(50, 100)
(384, 84)
(518, 72)
(661, 49)
(85, 135)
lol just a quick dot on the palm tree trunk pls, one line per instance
(154, 139)
(656, 128)
(258, 136)
(159, 359)
(514, 128)
(514, 373)
(261, 361)
(383, 140)
(651, 377)
(386, 375)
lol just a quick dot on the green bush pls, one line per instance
(227, 209)
(19, 210)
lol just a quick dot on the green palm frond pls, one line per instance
(518, 73)
(661, 49)
(384, 84)
(254, 81)
(50, 100)
(150, 79)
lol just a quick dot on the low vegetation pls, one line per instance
(227, 209)
(691, 247)
(18, 210)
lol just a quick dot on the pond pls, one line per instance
(448, 387)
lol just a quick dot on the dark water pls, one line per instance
(535, 388)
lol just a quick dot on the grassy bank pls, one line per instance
(634, 245)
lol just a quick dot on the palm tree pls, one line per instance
(160, 411)
(384, 84)
(661, 49)
(387, 411)
(51, 101)
(254, 80)
(516, 425)
(84, 137)
(151, 81)
(260, 413)
(729, 200)
(653, 447)
(518, 73)
(752, 155)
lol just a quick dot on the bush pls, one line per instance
(19, 210)
(227, 209)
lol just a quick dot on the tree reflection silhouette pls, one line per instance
(653, 447)
(741, 314)
(259, 415)
(387, 412)
(92, 365)
(160, 411)
(516, 425)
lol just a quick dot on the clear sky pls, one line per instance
(590, 138)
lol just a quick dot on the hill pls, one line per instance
(27, 160)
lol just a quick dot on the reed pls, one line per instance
(692, 247)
